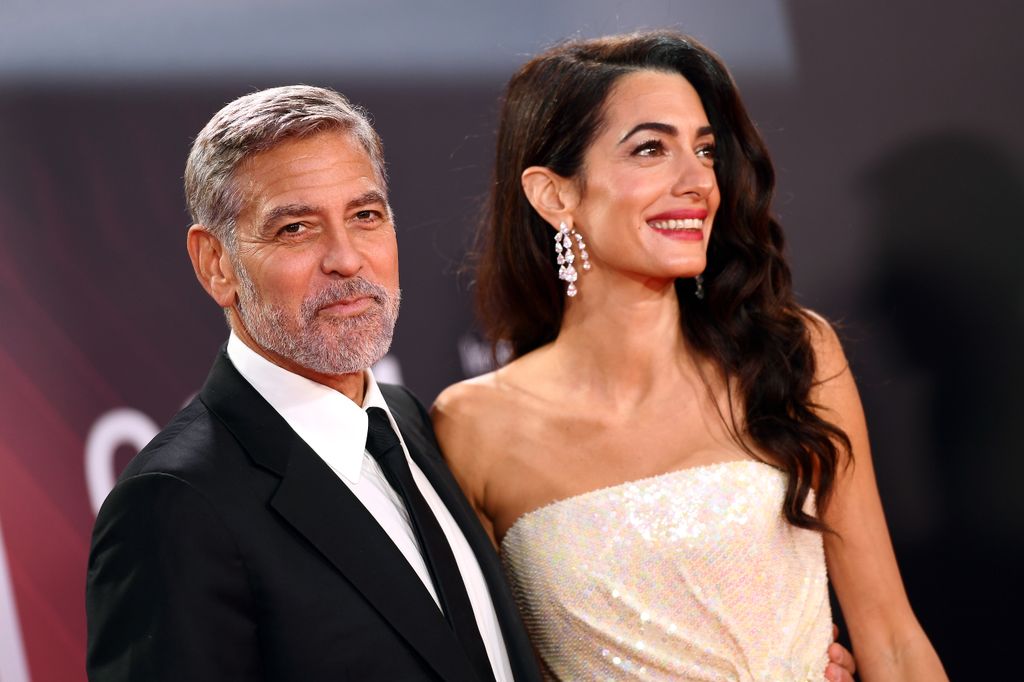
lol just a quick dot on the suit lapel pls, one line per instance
(424, 451)
(322, 509)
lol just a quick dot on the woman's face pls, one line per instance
(649, 193)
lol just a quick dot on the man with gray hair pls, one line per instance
(295, 521)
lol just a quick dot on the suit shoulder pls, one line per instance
(154, 501)
(403, 400)
(190, 447)
(179, 423)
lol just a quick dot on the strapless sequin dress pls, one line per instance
(690, 575)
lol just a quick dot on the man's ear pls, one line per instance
(551, 195)
(212, 265)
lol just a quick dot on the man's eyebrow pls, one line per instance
(286, 211)
(298, 210)
(665, 128)
(372, 196)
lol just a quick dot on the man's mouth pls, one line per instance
(352, 305)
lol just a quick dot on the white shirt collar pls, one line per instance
(328, 421)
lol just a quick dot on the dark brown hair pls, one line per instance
(748, 323)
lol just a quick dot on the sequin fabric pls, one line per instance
(690, 575)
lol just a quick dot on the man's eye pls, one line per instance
(367, 215)
(291, 228)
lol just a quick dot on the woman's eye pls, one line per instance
(706, 152)
(649, 148)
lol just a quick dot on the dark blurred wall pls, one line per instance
(902, 185)
(896, 131)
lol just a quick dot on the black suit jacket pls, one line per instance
(228, 550)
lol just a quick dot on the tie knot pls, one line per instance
(380, 437)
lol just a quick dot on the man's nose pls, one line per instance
(340, 255)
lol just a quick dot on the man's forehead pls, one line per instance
(308, 170)
(330, 147)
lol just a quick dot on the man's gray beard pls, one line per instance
(327, 345)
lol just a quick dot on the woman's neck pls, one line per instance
(622, 344)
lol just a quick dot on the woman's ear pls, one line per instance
(212, 265)
(551, 195)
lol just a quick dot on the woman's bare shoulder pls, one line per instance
(463, 403)
(484, 403)
(834, 394)
(476, 425)
(830, 360)
(469, 416)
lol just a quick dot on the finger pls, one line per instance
(838, 655)
(834, 673)
(835, 632)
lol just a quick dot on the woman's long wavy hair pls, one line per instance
(748, 323)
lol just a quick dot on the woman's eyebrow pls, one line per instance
(651, 125)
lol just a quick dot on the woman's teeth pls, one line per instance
(685, 224)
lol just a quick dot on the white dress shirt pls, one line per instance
(335, 428)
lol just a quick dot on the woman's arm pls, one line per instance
(458, 433)
(887, 639)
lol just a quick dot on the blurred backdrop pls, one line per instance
(896, 128)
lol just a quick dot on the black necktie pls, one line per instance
(383, 444)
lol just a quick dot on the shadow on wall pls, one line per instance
(945, 305)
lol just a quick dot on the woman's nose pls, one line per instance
(696, 176)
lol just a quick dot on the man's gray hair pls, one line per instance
(255, 123)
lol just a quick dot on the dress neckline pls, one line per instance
(636, 481)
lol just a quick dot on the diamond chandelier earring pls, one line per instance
(565, 257)
(699, 287)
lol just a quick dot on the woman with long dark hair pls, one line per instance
(676, 447)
